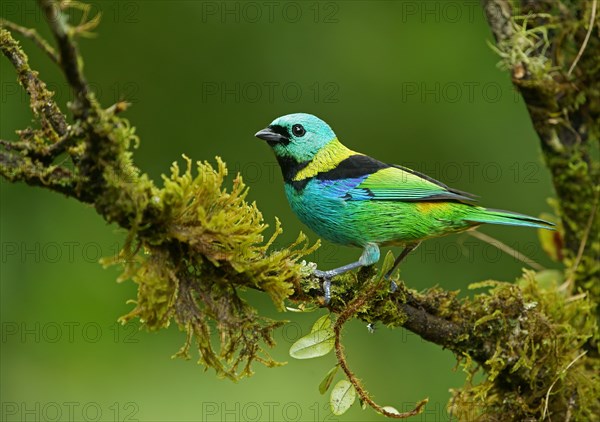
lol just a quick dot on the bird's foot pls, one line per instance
(326, 276)
(327, 290)
(393, 285)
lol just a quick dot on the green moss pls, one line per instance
(211, 245)
(40, 98)
(530, 343)
(538, 332)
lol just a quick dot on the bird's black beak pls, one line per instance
(271, 136)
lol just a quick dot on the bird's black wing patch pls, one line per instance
(353, 167)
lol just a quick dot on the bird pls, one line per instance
(352, 199)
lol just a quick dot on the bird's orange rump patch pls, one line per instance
(428, 207)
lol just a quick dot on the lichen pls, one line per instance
(527, 46)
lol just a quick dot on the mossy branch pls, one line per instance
(193, 243)
(554, 64)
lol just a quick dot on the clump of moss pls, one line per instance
(525, 50)
(541, 364)
(211, 245)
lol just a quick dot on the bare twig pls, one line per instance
(556, 380)
(506, 249)
(69, 55)
(33, 35)
(351, 309)
(587, 37)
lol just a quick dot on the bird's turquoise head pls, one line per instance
(297, 136)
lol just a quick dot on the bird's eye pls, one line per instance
(298, 130)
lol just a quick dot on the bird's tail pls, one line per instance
(508, 218)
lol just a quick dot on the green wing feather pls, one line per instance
(397, 183)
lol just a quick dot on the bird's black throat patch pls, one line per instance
(289, 168)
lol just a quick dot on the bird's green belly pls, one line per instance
(383, 222)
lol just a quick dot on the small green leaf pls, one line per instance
(302, 308)
(323, 323)
(548, 279)
(388, 262)
(391, 410)
(318, 343)
(326, 383)
(342, 397)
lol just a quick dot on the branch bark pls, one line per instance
(41, 100)
(70, 58)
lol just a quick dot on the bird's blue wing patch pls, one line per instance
(340, 188)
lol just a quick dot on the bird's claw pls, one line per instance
(327, 290)
(393, 285)
(326, 284)
(322, 274)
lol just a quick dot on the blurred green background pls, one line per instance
(410, 82)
